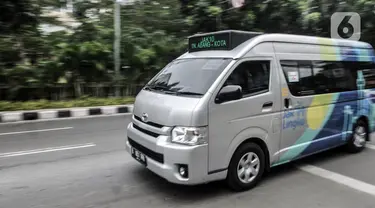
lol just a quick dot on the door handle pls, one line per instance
(267, 104)
(267, 107)
(286, 102)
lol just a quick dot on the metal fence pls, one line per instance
(63, 92)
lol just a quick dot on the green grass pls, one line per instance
(45, 104)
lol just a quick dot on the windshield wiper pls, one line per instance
(158, 88)
(169, 91)
(147, 88)
(154, 87)
(188, 93)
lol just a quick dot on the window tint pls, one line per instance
(368, 71)
(299, 75)
(306, 81)
(291, 73)
(319, 77)
(330, 77)
(252, 76)
(322, 77)
(343, 77)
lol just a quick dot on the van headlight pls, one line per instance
(189, 135)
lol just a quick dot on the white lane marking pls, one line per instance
(32, 131)
(370, 146)
(50, 149)
(338, 178)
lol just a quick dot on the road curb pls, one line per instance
(45, 114)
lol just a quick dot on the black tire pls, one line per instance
(233, 180)
(352, 146)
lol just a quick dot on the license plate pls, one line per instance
(139, 156)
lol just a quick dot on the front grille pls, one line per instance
(149, 153)
(153, 134)
(149, 123)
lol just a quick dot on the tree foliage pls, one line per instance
(153, 32)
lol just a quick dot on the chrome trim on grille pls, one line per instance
(150, 133)
(165, 130)
(148, 122)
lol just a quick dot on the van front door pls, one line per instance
(256, 114)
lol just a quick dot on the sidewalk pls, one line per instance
(14, 116)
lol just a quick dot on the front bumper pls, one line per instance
(164, 157)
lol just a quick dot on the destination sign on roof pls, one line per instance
(209, 42)
(223, 40)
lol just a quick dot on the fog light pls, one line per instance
(183, 170)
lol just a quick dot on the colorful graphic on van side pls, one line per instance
(328, 125)
(294, 119)
(316, 118)
(358, 51)
(328, 120)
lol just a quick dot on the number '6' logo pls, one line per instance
(346, 25)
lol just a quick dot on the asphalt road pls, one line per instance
(82, 163)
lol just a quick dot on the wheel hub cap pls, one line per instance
(248, 167)
(359, 136)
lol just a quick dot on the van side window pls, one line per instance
(306, 78)
(290, 69)
(368, 72)
(299, 75)
(323, 77)
(320, 77)
(331, 77)
(252, 76)
(343, 77)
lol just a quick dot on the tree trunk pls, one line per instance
(97, 94)
(77, 88)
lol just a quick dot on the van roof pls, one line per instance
(255, 38)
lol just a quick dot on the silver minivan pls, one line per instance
(238, 103)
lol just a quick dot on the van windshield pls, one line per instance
(191, 77)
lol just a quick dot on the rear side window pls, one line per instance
(299, 75)
(367, 70)
(331, 77)
(320, 77)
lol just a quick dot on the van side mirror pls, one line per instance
(228, 93)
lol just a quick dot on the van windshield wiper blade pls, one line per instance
(149, 87)
(155, 87)
(188, 93)
(169, 91)
(159, 88)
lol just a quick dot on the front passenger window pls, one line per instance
(252, 76)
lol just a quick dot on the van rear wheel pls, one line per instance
(357, 141)
(246, 167)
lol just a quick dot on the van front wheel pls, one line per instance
(246, 167)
